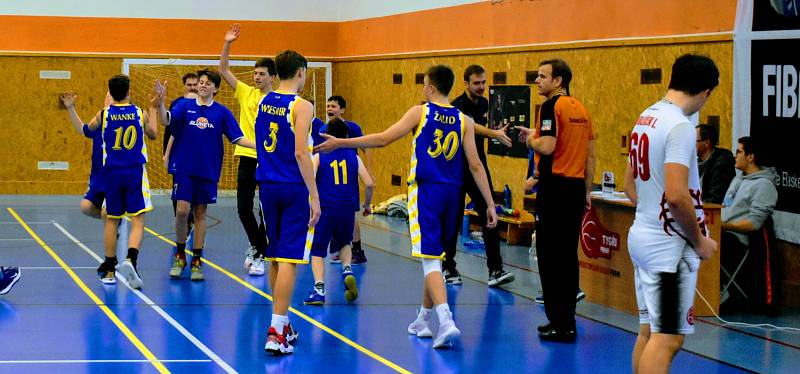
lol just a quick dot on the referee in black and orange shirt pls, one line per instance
(563, 145)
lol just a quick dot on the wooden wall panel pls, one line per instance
(34, 128)
(606, 80)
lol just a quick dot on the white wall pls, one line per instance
(254, 10)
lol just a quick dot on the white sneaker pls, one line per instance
(448, 335)
(420, 328)
(257, 267)
(249, 254)
(277, 344)
(130, 275)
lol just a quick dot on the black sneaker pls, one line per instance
(500, 277)
(359, 257)
(452, 277)
(106, 272)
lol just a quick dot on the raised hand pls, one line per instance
(232, 34)
(68, 99)
(159, 92)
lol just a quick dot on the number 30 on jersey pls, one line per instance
(448, 148)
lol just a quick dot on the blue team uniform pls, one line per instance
(337, 181)
(282, 191)
(198, 148)
(124, 155)
(435, 179)
(96, 190)
(319, 127)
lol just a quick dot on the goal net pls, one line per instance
(144, 72)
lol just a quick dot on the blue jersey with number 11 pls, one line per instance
(436, 151)
(275, 139)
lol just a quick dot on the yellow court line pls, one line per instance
(100, 304)
(298, 313)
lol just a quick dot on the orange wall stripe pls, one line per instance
(162, 36)
(476, 25)
(514, 22)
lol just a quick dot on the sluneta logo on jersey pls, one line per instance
(780, 88)
(201, 123)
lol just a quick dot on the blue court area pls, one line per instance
(61, 318)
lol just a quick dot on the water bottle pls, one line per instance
(507, 198)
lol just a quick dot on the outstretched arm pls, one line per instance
(224, 66)
(69, 102)
(402, 127)
(498, 134)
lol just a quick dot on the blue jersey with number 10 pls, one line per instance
(123, 136)
(275, 139)
(436, 151)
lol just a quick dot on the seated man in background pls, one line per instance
(748, 204)
(714, 164)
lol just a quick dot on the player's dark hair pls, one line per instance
(560, 69)
(337, 128)
(441, 77)
(118, 86)
(288, 63)
(339, 100)
(212, 76)
(692, 74)
(267, 63)
(472, 70)
(189, 75)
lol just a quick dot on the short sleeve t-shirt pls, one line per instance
(198, 131)
(248, 98)
(661, 135)
(565, 118)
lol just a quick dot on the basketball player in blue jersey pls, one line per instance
(123, 127)
(442, 138)
(92, 203)
(197, 127)
(288, 190)
(339, 199)
(335, 108)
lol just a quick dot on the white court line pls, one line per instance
(90, 361)
(56, 268)
(213, 356)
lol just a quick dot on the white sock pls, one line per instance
(278, 322)
(320, 288)
(443, 311)
(424, 314)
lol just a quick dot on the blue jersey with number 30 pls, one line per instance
(123, 136)
(275, 139)
(436, 151)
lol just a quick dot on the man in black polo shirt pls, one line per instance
(473, 104)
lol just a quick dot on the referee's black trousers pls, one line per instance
(560, 205)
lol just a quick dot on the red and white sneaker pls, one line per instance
(277, 344)
(290, 333)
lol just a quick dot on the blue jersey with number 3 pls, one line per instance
(123, 136)
(275, 139)
(436, 151)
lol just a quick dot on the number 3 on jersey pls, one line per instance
(448, 148)
(639, 156)
(272, 143)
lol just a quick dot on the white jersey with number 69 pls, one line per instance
(662, 134)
